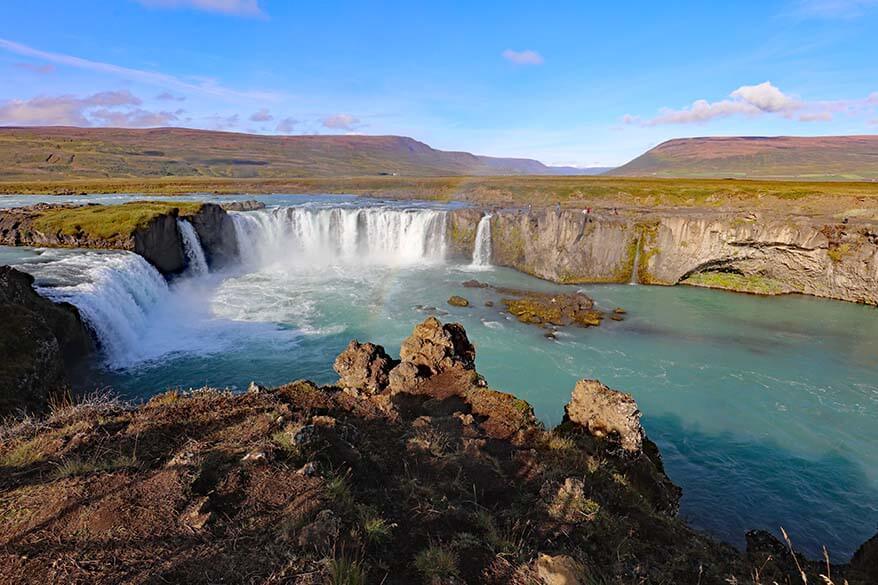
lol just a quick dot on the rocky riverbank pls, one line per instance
(749, 252)
(407, 470)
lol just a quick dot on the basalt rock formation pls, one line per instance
(742, 251)
(156, 236)
(39, 341)
(444, 482)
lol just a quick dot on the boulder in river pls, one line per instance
(458, 301)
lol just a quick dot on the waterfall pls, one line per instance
(316, 236)
(482, 247)
(195, 260)
(636, 266)
(114, 292)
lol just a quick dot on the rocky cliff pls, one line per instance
(748, 252)
(39, 342)
(147, 228)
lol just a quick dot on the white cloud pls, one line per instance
(234, 7)
(766, 97)
(108, 108)
(207, 87)
(263, 115)
(341, 122)
(758, 100)
(526, 57)
(287, 125)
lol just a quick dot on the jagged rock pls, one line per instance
(404, 376)
(605, 412)
(559, 570)
(458, 301)
(39, 340)
(475, 284)
(436, 347)
(255, 388)
(864, 564)
(364, 366)
(249, 205)
(553, 309)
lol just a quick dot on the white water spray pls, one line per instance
(482, 248)
(196, 261)
(315, 237)
(114, 293)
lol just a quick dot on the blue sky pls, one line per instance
(563, 82)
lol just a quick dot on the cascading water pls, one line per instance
(114, 292)
(196, 261)
(636, 266)
(482, 247)
(316, 237)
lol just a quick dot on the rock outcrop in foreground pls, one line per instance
(39, 341)
(408, 471)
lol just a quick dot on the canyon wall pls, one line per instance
(758, 254)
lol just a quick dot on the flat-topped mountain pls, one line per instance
(67, 152)
(821, 157)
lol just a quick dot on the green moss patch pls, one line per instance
(108, 221)
(753, 283)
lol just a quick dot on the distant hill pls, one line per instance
(66, 153)
(782, 157)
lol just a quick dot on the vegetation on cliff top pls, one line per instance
(108, 221)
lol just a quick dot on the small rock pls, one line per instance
(196, 516)
(457, 301)
(475, 284)
(256, 456)
(619, 311)
(308, 470)
(560, 570)
(489, 303)
(322, 532)
(255, 388)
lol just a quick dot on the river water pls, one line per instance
(765, 409)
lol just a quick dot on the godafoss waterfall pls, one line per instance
(765, 408)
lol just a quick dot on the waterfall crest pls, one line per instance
(482, 247)
(114, 293)
(196, 261)
(315, 237)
